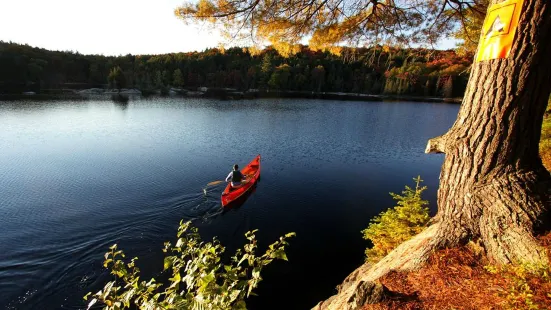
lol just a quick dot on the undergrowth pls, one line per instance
(456, 278)
(522, 282)
(462, 278)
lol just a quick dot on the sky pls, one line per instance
(108, 27)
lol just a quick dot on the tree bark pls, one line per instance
(493, 185)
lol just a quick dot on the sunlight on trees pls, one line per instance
(329, 24)
(469, 31)
(394, 226)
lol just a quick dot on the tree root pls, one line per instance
(410, 255)
(515, 243)
(511, 211)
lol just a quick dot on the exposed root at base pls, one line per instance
(354, 292)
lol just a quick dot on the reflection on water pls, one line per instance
(77, 177)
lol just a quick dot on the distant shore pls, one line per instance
(221, 93)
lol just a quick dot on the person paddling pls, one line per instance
(236, 177)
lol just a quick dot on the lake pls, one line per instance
(78, 176)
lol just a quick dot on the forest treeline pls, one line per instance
(377, 70)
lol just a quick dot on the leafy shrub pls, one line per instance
(394, 226)
(199, 279)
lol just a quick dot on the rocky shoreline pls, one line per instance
(230, 94)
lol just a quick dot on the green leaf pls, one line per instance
(106, 262)
(241, 305)
(206, 280)
(280, 254)
(291, 234)
(245, 256)
(122, 272)
(167, 263)
(199, 266)
(176, 279)
(256, 272)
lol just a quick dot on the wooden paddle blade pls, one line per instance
(215, 182)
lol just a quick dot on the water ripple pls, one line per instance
(77, 177)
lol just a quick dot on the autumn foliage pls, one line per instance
(377, 70)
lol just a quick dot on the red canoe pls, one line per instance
(252, 170)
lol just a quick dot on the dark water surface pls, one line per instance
(76, 177)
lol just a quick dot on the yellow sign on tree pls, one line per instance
(499, 30)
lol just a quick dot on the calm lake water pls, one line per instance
(76, 177)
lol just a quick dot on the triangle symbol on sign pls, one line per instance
(497, 26)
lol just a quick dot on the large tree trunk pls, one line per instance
(493, 186)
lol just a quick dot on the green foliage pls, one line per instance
(394, 226)
(266, 69)
(524, 280)
(167, 78)
(280, 77)
(178, 78)
(469, 32)
(267, 66)
(199, 279)
(116, 78)
(318, 77)
(159, 83)
(362, 70)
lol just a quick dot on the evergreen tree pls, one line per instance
(178, 78)
(266, 68)
(116, 78)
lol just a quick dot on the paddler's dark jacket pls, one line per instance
(235, 176)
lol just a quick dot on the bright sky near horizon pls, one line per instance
(108, 27)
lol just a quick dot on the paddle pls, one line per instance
(211, 184)
(215, 183)
(245, 176)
